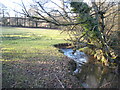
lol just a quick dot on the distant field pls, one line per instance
(27, 43)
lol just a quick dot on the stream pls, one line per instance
(79, 57)
(89, 74)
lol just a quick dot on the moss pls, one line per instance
(87, 50)
(97, 54)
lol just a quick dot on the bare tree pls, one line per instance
(88, 25)
(3, 14)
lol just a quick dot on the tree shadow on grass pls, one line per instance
(17, 37)
(13, 38)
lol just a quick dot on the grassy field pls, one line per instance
(29, 59)
(25, 43)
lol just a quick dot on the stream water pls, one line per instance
(92, 75)
(79, 57)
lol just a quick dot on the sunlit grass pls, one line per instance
(29, 59)
(23, 49)
(27, 43)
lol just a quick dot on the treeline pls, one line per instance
(25, 22)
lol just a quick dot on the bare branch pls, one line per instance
(112, 13)
(62, 8)
(24, 8)
(47, 12)
(112, 26)
(21, 12)
(59, 81)
(60, 24)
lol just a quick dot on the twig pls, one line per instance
(59, 81)
(105, 85)
(109, 83)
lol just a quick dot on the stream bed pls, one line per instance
(89, 74)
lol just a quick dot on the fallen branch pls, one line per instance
(59, 81)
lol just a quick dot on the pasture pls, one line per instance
(29, 59)
(26, 43)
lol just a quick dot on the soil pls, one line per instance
(39, 74)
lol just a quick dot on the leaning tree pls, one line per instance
(93, 25)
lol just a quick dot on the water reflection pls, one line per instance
(92, 75)
(96, 76)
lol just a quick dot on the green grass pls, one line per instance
(27, 43)
(24, 52)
